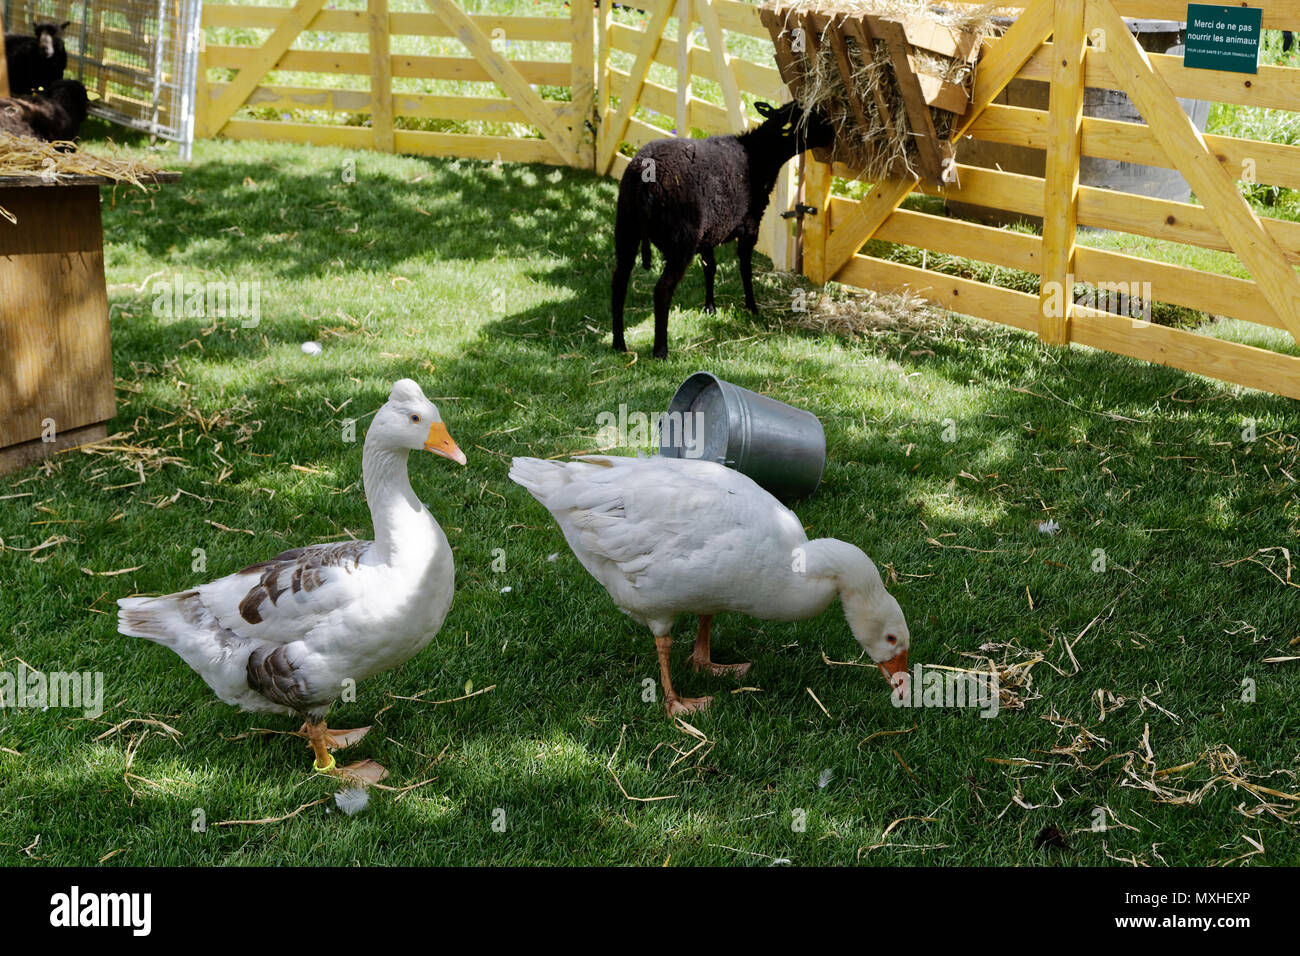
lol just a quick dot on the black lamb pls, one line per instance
(54, 114)
(690, 195)
(36, 61)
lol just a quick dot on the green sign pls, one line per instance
(1223, 38)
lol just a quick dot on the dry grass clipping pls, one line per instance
(882, 150)
(25, 156)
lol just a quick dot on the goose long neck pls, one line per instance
(399, 517)
(853, 574)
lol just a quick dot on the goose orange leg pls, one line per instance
(323, 740)
(673, 704)
(700, 658)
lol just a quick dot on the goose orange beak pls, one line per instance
(894, 666)
(441, 443)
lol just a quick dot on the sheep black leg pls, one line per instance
(625, 244)
(745, 251)
(675, 266)
(710, 270)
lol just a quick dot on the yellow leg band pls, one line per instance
(325, 769)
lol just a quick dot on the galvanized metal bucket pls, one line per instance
(781, 447)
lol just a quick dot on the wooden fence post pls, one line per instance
(815, 227)
(381, 75)
(582, 18)
(684, 8)
(1061, 180)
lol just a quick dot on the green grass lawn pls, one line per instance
(489, 286)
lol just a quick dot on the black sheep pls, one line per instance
(54, 114)
(35, 61)
(690, 195)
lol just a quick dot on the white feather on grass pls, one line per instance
(352, 800)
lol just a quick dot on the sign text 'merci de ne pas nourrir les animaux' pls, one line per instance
(1223, 38)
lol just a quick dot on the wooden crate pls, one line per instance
(56, 367)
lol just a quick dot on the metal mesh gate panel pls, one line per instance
(137, 58)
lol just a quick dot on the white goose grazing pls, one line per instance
(285, 635)
(671, 536)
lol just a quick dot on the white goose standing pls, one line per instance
(284, 636)
(673, 536)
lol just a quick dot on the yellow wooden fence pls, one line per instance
(1092, 47)
(611, 110)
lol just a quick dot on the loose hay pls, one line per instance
(53, 162)
(886, 146)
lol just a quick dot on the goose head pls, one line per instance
(874, 615)
(409, 420)
(881, 630)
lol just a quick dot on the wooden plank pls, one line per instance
(55, 357)
(263, 60)
(1061, 181)
(4, 66)
(659, 99)
(1215, 188)
(1278, 14)
(1273, 87)
(461, 68)
(1207, 292)
(1189, 351)
(415, 142)
(381, 75)
(967, 296)
(1000, 65)
(488, 109)
(612, 133)
(684, 44)
(787, 62)
(937, 38)
(847, 237)
(942, 94)
(815, 228)
(931, 155)
(866, 50)
(707, 14)
(511, 149)
(743, 18)
(582, 86)
(1193, 352)
(543, 29)
(503, 73)
(1107, 209)
(1272, 163)
(840, 47)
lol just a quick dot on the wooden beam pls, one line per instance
(261, 63)
(611, 134)
(4, 65)
(684, 47)
(502, 72)
(706, 13)
(1000, 66)
(930, 153)
(381, 75)
(1061, 179)
(582, 22)
(1216, 190)
(815, 228)
(867, 51)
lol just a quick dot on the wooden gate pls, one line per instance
(1091, 46)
